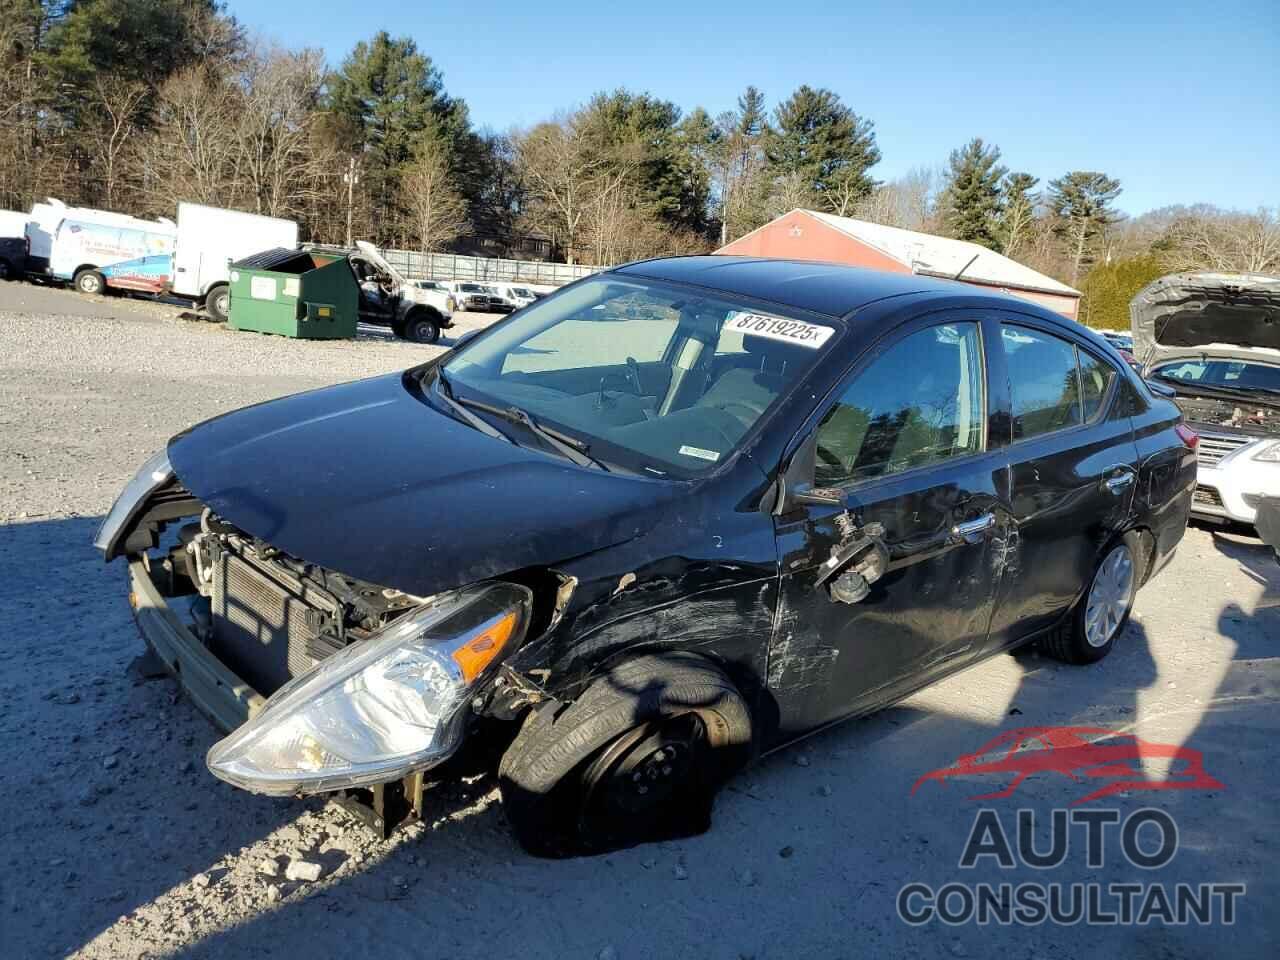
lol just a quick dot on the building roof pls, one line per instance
(934, 256)
(831, 289)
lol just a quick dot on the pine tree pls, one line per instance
(1082, 201)
(971, 200)
(1017, 211)
(825, 143)
(385, 98)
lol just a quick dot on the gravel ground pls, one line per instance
(116, 842)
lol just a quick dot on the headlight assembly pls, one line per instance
(152, 474)
(382, 708)
(1269, 453)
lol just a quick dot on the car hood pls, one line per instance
(369, 480)
(1230, 315)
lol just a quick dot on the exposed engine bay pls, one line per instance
(269, 616)
(1237, 415)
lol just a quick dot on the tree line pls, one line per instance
(136, 104)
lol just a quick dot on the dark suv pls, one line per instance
(672, 517)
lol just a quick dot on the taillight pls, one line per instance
(1189, 437)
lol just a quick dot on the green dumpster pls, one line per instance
(294, 294)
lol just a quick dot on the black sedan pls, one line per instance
(672, 517)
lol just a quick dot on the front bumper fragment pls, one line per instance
(221, 695)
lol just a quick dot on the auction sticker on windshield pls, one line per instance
(809, 335)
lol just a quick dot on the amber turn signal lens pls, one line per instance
(478, 652)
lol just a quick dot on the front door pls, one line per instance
(906, 445)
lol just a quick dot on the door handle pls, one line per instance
(1118, 484)
(973, 531)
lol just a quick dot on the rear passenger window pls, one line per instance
(920, 402)
(1096, 377)
(1044, 382)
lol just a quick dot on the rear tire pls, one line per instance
(637, 758)
(218, 303)
(6, 270)
(1091, 630)
(90, 282)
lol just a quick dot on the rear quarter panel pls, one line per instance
(1167, 475)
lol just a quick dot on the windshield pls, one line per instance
(650, 377)
(1224, 374)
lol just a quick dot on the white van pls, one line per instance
(44, 219)
(81, 248)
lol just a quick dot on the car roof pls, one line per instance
(831, 289)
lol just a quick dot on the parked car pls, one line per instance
(388, 298)
(1214, 339)
(652, 547)
(516, 295)
(476, 297)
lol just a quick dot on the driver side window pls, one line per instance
(918, 403)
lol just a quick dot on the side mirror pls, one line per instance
(797, 487)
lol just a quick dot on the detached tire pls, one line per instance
(1102, 613)
(218, 304)
(90, 281)
(639, 757)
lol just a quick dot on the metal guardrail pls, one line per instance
(449, 266)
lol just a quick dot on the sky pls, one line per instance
(1179, 101)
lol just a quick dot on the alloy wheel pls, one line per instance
(1109, 597)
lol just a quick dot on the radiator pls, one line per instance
(261, 627)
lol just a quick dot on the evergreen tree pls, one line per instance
(1017, 211)
(384, 100)
(1082, 202)
(822, 141)
(971, 200)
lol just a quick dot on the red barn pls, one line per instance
(809, 235)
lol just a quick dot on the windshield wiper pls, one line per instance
(445, 393)
(567, 446)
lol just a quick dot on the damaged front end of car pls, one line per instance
(324, 683)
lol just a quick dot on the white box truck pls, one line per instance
(208, 239)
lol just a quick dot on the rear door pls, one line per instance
(906, 443)
(1073, 471)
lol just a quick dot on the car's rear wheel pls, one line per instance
(639, 757)
(1103, 612)
(90, 281)
(6, 271)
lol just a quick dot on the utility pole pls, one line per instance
(350, 178)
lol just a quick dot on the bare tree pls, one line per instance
(120, 103)
(276, 157)
(1225, 241)
(788, 193)
(438, 210)
(562, 172)
(910, 202)
(194, 150)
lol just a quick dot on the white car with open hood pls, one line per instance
(1214, 339)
